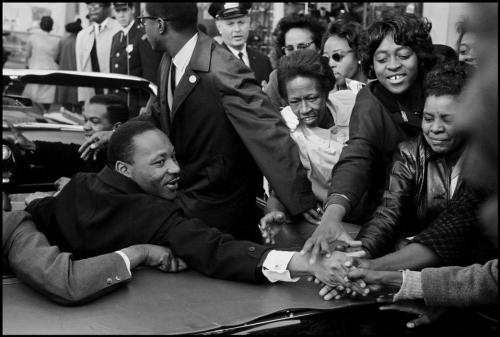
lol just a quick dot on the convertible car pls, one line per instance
(62, 122)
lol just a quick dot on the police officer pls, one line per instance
(131, 54)
(233, 22)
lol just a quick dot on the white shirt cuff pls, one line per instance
(125, 259)
(275, 266)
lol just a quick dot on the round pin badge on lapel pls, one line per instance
(192, 79)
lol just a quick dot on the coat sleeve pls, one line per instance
(474, 285)
(271, 90)
(54, 273)
(264, 133)
(208, 250)
(78, 50)
(353, 173)
(380, 233)
(449, 235)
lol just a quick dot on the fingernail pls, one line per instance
(362, 284)
(338, 297)
(328, 255)
(410, 325)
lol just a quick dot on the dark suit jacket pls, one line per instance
(52, 272)
(223, 126)
(259, 63)
(100, 213)
(57, 160)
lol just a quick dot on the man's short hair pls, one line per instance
(181, 15)
(121, 144)
(115, 106)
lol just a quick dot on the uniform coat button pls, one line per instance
(109, 280)
(117, 54)
(117, 278)
(252, 248)
(116, 65)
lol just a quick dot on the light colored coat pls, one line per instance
(52, 272)
(84, 43)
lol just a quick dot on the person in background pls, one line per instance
(67, 95)
(294, 33)
(104, 112)
(340, 46)
(127, 56)
(42, 50)
(398, 51)
(56, 274)
(233, 22)
(465, 44)
(93, 45)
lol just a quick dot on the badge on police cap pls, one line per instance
(229, 10)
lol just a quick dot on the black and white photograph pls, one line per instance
(250, 168)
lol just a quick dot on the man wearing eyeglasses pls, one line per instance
(93, 44)
(221, 124)
(294, 33)
(233, 22)
(131, 55)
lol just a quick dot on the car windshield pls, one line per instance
(31, 97)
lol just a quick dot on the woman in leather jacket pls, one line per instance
(425, 172)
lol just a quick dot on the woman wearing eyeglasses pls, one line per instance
(294, 33)
(397, 50)
(318, 123)
(340, 45)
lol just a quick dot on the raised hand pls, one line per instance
(271, 224)
(93, 144)
(329, 230)
(23, 143)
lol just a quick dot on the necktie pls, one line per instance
(99, 28)
(240, 55)
(121, 36)
(172, 78)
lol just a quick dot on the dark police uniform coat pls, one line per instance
(132, 55)
(259, 63)
(223, 126)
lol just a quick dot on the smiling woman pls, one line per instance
(397, 50)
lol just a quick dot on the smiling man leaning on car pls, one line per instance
(133, 201)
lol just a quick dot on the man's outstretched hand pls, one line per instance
(93, 144)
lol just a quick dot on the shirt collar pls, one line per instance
(127, 29)
(119, 181)
(183, 56)
(102, 24)
(236, 52)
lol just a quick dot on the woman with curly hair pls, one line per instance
(293, 33)
(397, 51)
